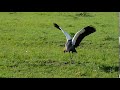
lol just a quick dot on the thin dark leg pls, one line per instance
(71, 58)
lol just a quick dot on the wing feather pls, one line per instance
(78, 37)
(68, 37)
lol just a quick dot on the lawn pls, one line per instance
(31, 47)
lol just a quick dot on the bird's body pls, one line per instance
(74, 42)
(69, 47)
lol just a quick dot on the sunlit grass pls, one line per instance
(30, 46)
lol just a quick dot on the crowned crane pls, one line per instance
(74, 42)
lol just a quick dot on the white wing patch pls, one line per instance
(68, 37)
(77, 35)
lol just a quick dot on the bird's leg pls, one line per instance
(71, 58)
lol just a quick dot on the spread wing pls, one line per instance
(68, 37)
(78, 37)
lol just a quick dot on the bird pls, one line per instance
(73, 42)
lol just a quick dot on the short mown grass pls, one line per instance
(31, 47)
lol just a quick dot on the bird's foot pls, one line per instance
(66, 62)
(72, 62)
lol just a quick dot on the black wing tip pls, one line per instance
(91, 28)
(57, 26)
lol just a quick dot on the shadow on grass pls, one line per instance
(53, 63)
(84, 14)
(12, 12)
(108, 38)
(109, 68)
(47, 63)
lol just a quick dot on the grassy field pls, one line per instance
(31, 47)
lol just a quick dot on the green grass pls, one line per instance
(31, 47)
